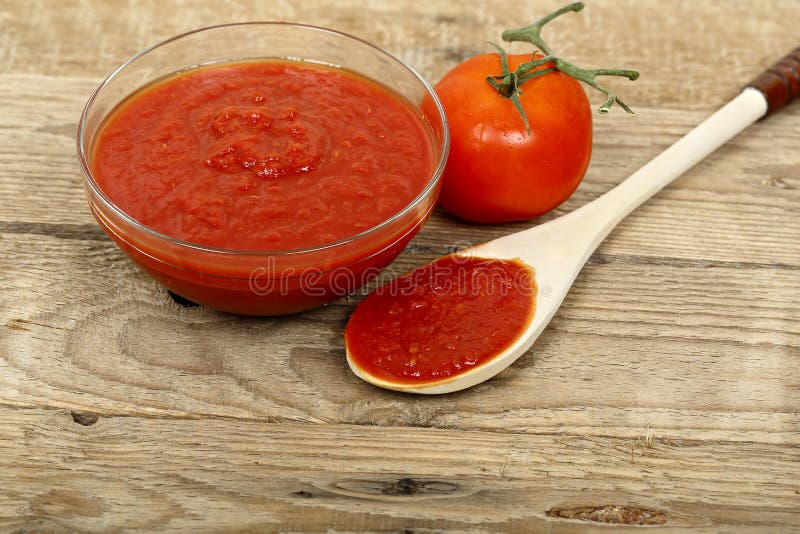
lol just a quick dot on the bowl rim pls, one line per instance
(88, 177)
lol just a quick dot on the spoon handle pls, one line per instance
(767, 93)
(781, 82)
(599, 217)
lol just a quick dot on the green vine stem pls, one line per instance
(508, 83)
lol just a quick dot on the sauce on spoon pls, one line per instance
(441, 319)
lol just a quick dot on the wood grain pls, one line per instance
(143, 474)
(666, 391)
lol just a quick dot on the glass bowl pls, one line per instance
(262, 282)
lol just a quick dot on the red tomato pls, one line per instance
(496, 171)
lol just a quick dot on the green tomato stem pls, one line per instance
(508, 83)
(531, 33)
(508, 87)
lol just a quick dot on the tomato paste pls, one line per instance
(441, 319)
(263, 155)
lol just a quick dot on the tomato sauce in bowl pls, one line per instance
(266, 184)
(264, 155)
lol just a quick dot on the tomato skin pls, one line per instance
(495, 171)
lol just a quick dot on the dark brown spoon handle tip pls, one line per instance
(781, 82)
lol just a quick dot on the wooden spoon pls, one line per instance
(558, 249)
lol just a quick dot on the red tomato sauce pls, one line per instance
(441, 319)
(263, 155)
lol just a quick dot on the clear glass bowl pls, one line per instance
(261, 282)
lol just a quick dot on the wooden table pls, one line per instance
(665, 391)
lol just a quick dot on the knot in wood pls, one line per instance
(611, 513)
(84, 418)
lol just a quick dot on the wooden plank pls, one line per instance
(148, 474)
(733, 193)
(676, 45)
(632, 336)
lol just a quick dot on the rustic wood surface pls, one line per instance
(666, 391)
